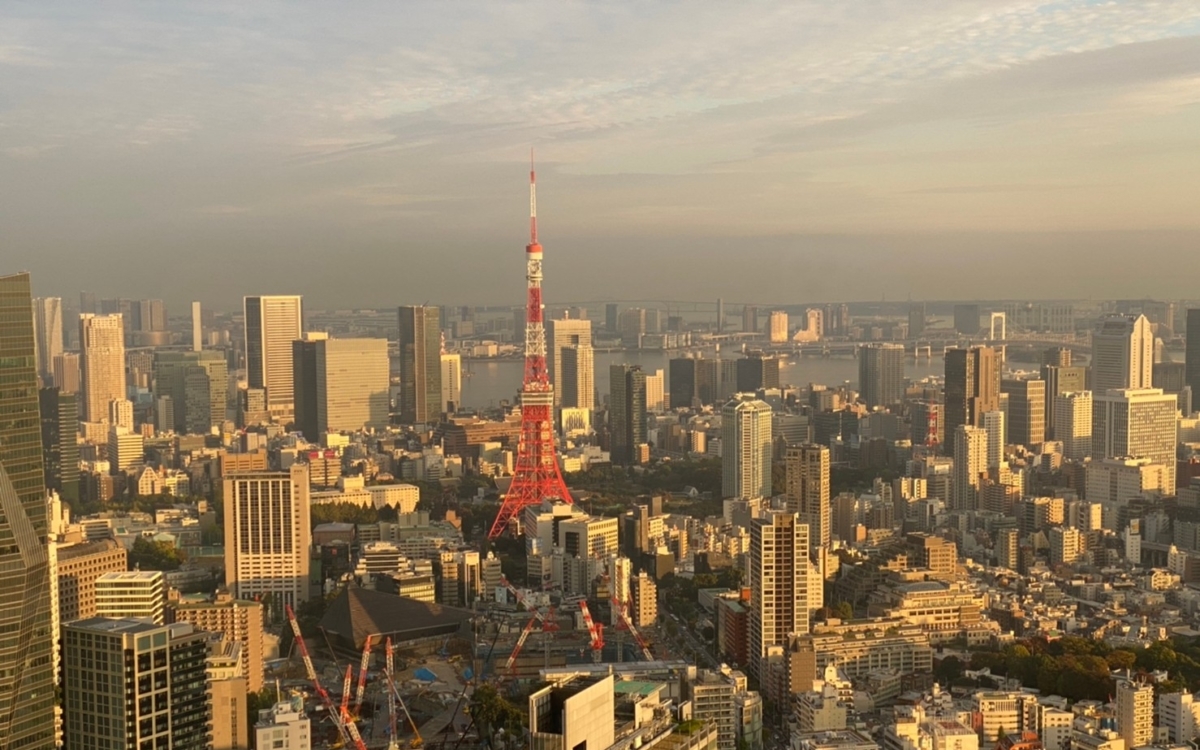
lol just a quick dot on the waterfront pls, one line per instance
(487, 382)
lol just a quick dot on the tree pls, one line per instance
(948, 670)
(150, 555)
(1121, 659)
(492, 713)
(844, 611)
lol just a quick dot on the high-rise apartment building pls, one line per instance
(631, 324)
(610, 317)
(561, 333)
(267, 535)
(238, 620)
(656, 392)
(1135, 712)
(1059, 380)
(777, 327)
(1073, 423)
(134, 684)
(420, 364)
(48, 335)
(60, 445)
(749, 319)
(972, 386)
(1122, 353)
(197, 382)
(284, 727)
(66, 372)
(756, 371)
(996, 427)
(27, 687)
(966, 319)
(341, 385)
(451, 382)
(1136, 423)
(881, 374)
(970, 466)
(627, 422)
(807, 491)
(779, 581)
(681, 382)
(102, 364)
(1008, 548)
(746, 447)
(1192, 351)
(132, 594)
(272, 324)
(578, 376)
(197, 328)
(1026, 411)
(916, 319)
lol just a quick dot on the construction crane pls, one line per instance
(346, 729)
(595, 631)
(362, 676)
(394, 699)
(625, 623)
(510, 665)
(345, 707)
(549, 625)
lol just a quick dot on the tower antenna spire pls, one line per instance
(532, 201)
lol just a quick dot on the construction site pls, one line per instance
(386, 672)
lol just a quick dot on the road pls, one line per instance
(686, 641)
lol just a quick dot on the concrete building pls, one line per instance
(238, 621)
(746, 447)
(575, 715)
(995, 424)
(1122, 353)
(1073, 423)
(972, 386)
(131, 683)
(1179, 714)
(779, 581)
(1008, 552)
(1059, 380)
(197, 382)
(1066, 545)
(627, 420)
(807, 490)
(227, 696)
(1026, 410)
(126, 449)
(656, 392)
(79, 566)
(341, 385)
(1138, 423)
(1192, 352)
(715, 697)
(451, 382)
(777, 327)
(1135, 711)
(970, 466)
(132, 594)
(60, 441)
(578, 381)
(644, 592)
(267, 535)
(881, 374)
(48, 335)
(101, 364)
(1116, 480)
(560, 334)
(420, 347)
(272, 324)
(284, 727)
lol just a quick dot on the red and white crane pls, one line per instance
(625, 623)
(346, 728)
(362, 676)
(394, 699)
(510, 665)
(595, 631)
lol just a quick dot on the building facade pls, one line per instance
(746, 448)
(101, 364)
(267, 536)
(420, 364)
(881, 374)
(272, 324)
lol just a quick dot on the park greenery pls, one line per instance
(147, 554)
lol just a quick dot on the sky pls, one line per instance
(371, 154)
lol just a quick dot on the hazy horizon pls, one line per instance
(375, 155)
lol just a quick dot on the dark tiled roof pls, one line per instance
(357, 613)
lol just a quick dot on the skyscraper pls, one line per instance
(1026, 410)
(777, 327)
(610, 317)
(102, 364)
(972, 386)
(995, 425)
(420, 364)
(578, 379)
(779, 595)
(627, 428)
(564, 332)
(916, 319)
(341, 384)
(1122, 353)
(451, 382)
(881, 374)
(197, 382)
(656, 389)
(749, 319)
(1059, 380)
(60, 449)
(267, 536)
(66, 372)
(746, 447)
(197, 328)
(1073, 423)
(756, 371)
(1136, 423)
(807, 491)
(27, 688)
(966, 319)
(1192, 352)
(132, 683)
(272, 324)
(48, 335)
(681, 382)
(970, 465)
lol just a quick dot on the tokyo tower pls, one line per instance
(536, 476)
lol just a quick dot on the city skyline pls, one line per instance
(903, 146)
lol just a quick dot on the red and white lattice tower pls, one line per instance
(536, 476)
